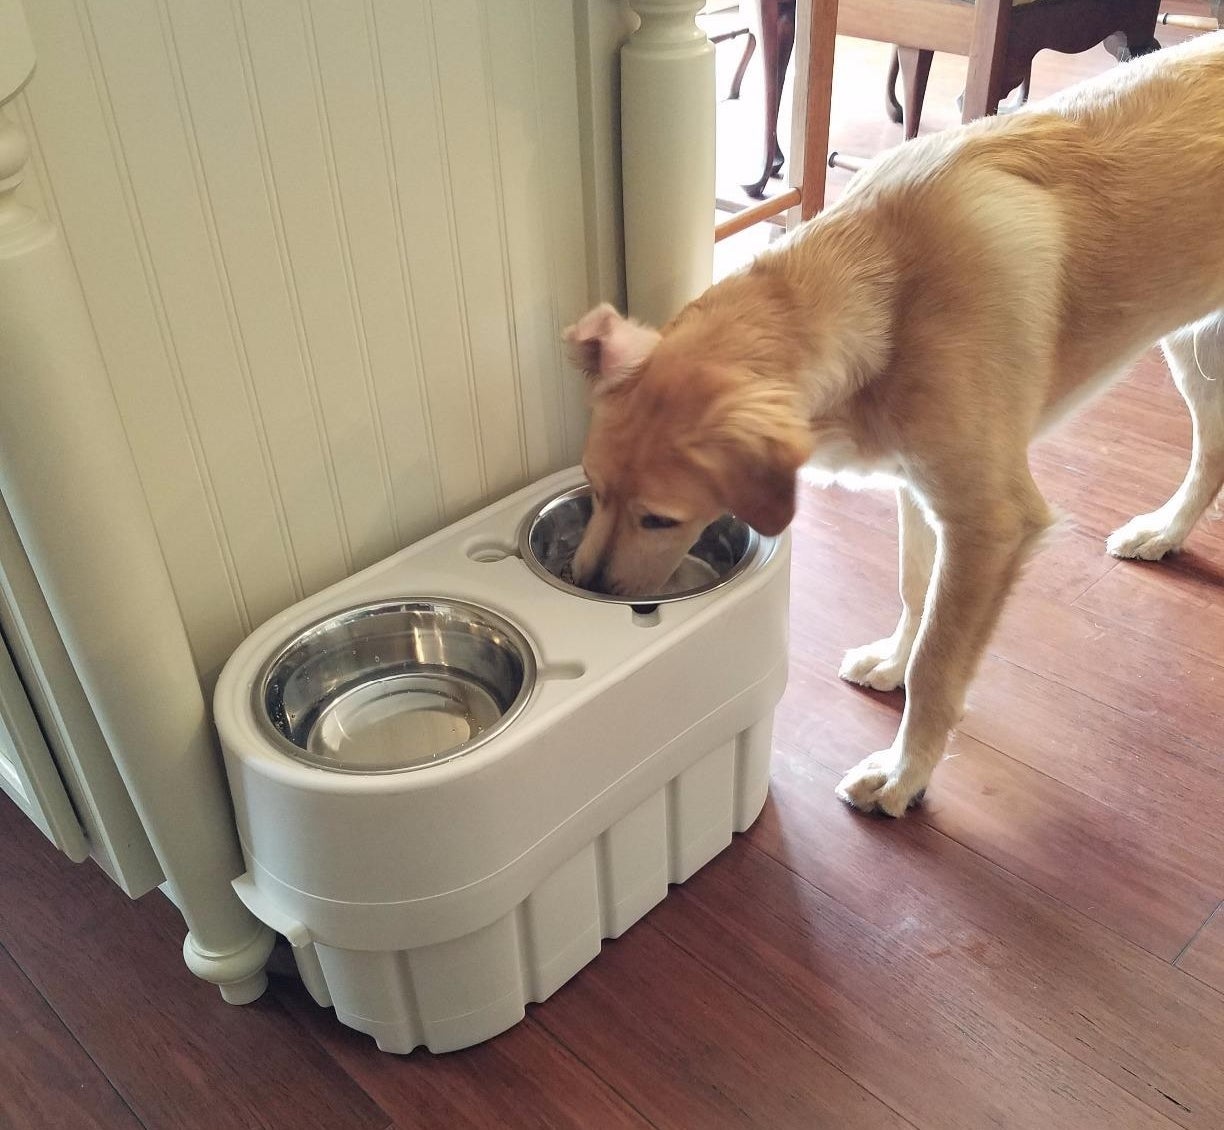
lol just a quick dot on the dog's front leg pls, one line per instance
(977, 562)
(881, 665)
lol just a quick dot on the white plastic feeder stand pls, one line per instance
(429, 905)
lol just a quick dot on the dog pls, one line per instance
(967, 292)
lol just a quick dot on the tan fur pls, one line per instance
(968, 291)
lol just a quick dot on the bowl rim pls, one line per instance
(519, 640)
(759, 549)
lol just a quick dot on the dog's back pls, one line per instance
(1109, 196)
(1136, 160)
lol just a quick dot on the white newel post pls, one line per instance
(68, 478)
(667, 158)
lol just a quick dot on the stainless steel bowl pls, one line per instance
(549, 539)
(395, 685)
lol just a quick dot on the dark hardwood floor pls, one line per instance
(1040, 946)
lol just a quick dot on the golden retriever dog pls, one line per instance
(968, 291)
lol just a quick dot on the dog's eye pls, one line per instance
(658, 522)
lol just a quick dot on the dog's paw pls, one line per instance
(880, 783)
(877, 665)
(1147, 538)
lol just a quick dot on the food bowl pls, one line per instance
(395, 685)
(550, 537)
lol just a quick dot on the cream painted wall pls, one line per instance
(327, 247)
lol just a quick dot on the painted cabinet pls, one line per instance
(282, 285)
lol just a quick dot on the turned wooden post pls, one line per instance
(70, 483)
(667, 158)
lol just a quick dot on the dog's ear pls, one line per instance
(757, 441)
(607, 347)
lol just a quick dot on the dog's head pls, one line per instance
(677, 438)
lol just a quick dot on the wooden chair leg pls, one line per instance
(738, 80)
(891, 106)
(742, 68)
(786, 48)
(777, 42)
(1120, 47)
(915, 65)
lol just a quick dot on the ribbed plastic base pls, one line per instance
(459, 992)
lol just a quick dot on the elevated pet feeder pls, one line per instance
(455, 773)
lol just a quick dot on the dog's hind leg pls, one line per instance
(1196, 358)
(881, 665)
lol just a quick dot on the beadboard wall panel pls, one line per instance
(328, 247)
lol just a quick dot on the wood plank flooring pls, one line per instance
(1041, 945)
(46, 1076)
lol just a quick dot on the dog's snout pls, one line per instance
(597, 581)
(592, 577)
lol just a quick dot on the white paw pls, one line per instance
(877, 665)
(1147, 537)
(881, 783)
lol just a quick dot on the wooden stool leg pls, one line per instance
(984, 88)
(817, 102)
(915, 66)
